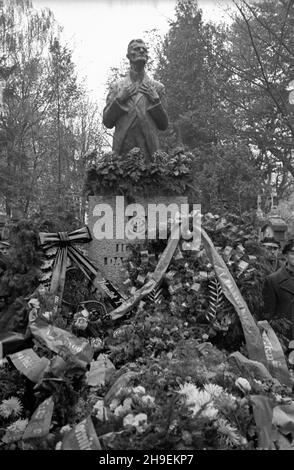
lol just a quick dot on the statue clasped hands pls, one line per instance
(150, 92)
(127, 92)
(135, 106)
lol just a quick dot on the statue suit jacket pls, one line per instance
(138, 107)
(278, 294)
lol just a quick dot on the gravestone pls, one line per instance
(109, 253)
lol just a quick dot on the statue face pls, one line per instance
(137, 53)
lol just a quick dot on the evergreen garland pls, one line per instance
(20, 278)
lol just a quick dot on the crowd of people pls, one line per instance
(278, 289)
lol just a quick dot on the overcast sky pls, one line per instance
(99, 31)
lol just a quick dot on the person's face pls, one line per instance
(290, 258)
(272, 248)
(138, 53)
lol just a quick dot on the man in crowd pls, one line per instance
(278, 290)
(273, 248)
(135, 106)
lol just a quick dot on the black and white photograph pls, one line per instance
(146, 229)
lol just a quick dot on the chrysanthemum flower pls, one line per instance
(139, 421)
(10, 407)
(122, 410)
(128, 420)
(213, 389)
(229, 434)
(148, 400)
(199, 400)
(190, 391)
(139, 390)
(209, 411)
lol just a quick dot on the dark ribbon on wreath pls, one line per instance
(65, 242)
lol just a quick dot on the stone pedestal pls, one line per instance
(113, 216)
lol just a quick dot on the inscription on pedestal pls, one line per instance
(111, 222)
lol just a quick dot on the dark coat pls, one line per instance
(278, 295)
(137, 110)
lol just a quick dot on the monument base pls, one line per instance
(116, 225)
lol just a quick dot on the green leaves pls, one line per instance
(227, 92)
(131, 175)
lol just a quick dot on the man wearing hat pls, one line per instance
(278, 289)
(273, 248)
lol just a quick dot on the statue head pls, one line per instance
(137, 52)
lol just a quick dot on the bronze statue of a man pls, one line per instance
(135, 106)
